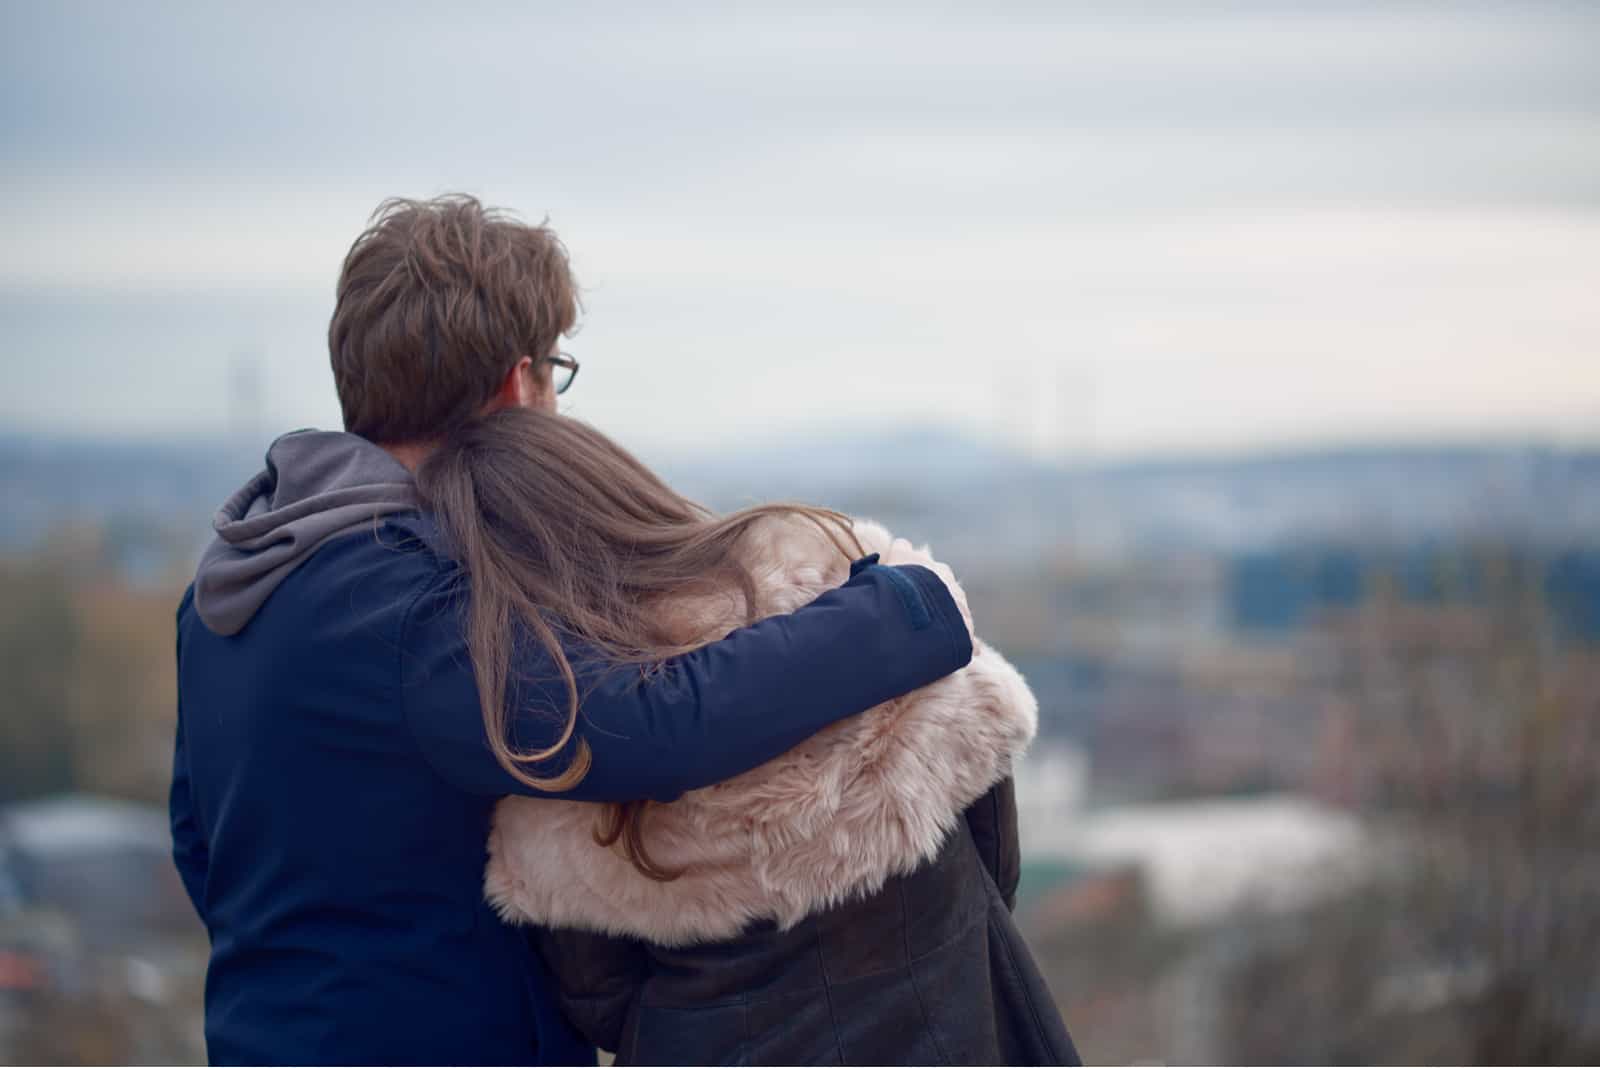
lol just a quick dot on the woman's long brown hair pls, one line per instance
(564, 536)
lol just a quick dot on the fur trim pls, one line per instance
(868, 798)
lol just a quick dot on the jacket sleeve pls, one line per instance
(706, 716)
(599, 976)
(992, 821)
(189, 849)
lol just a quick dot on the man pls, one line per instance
(333, 781)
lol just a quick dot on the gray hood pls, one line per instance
(317, 484)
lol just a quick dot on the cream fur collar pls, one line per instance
(833, 819)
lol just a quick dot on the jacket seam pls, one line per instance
(744, 1029)
(1025, 988)
(980, 915)
(858, 566)
(942, 604)
(827, 996)
(961, 640)
(194, 811)
(914, 600)
(400, 675)
(192, 808)
(993, 805)
(911, 976)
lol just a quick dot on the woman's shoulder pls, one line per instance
(794, 557)
(874, 796)
(828, 822)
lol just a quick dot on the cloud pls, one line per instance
(1224, 222)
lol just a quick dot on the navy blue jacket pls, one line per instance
(333, 787)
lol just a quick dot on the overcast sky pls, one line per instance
(1068, 227)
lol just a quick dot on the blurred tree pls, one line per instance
(124, 695)
(1472, 730)
(39, 640)
(87, 686)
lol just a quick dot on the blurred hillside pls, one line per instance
(975, 503)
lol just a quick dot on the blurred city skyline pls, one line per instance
(1074, 230)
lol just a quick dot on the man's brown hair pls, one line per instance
(437, 301)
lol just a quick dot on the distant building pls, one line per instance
(1287, 588)
(1204, 860)
(103, 863)
(101, 955)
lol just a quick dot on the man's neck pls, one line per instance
(410, 453)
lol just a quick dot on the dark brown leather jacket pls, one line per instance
(928, 970)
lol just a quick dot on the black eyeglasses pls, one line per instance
(563, 369)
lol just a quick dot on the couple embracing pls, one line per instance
(492, 748)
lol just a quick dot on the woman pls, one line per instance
(847, 902)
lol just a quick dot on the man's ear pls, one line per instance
(516, 388)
